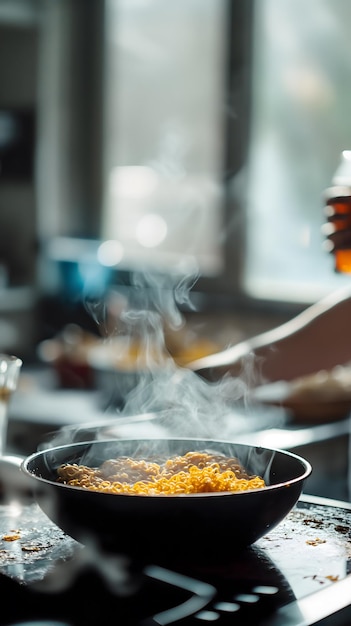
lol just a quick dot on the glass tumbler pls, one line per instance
(10, 367)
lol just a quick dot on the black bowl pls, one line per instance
(164, 528)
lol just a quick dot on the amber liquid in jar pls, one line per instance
(338, 208)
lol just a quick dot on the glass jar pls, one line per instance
(338, 212)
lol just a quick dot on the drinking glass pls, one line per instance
(10, 367)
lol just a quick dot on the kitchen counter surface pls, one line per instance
(303, 564)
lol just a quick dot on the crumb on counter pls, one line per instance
(315, 542)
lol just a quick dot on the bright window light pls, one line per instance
(110, 253)
(151, 230)
(300, 125)
(165, 80)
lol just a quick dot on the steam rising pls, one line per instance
(160, 398)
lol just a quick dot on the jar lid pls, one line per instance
(342, 176)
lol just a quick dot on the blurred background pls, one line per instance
(149, 148)
(160, 158)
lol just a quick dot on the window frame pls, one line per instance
(79, 200)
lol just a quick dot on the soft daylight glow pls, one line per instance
(151, 230)
(133, 181)
(110, 253)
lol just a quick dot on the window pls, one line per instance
(300, 123)
(165, 79)
(220, 139)
(222, 122)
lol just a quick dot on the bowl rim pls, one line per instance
(306, 466)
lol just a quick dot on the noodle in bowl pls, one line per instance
(164, 526)
(192, 472)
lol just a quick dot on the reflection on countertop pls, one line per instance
(303, 565)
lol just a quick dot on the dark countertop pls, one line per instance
(303, 565)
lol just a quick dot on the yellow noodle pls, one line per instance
(194, 472)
